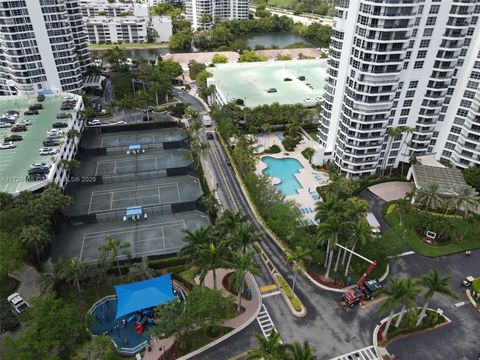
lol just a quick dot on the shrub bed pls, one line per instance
(274, 149)
(290, 294)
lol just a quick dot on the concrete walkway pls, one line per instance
(158, 349)
(250, 306)
(29, 278)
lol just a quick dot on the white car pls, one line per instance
(95, 122)
(7, 145)
(120, 123)
(24, 122)
(47, 151)
(5, 124)
(69, 98)
(18, 303)
(39, 165)
(55, 133)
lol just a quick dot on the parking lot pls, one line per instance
(15, 163)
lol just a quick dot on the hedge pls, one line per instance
(289, 292)
(476, 285)
(274, 149)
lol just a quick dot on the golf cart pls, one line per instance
(467, 282)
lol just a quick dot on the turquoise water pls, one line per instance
(284, 169)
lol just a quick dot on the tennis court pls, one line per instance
(108, 200)
(95, 198)
(160, 234)
(126, 138)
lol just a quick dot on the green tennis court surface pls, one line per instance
(250, 81)
(14, 163)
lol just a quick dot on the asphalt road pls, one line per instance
(333, 329)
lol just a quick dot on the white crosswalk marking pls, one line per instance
(265, 322)
(367, 353)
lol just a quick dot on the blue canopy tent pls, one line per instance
(143, 294)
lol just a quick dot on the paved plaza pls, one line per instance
(391, 191)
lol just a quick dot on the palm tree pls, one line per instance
(331, 205)
(268, 349)
(211, 203)
(194, 239)
(69, 164)
(211, 257)
(297, 259)
(72, 133)
(429, 196)
(361, 234)
(408, 300)
(395, 292)
(465, 198)
(433, 283)
(267, 129)
(112, 248)
(408, 131)
(393, 133)
(155, 87)
(229, 220)
(330, 230)
(74, 270)
(297, 351)
(294, 127)
(309, 152)
(141, 269)
(35, 238)
(51, 276)
(243, 235)
(356, 208)
(242, 263)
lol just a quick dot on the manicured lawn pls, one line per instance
(125, 46)
(286, 4)
(419, 246)
(313, 134)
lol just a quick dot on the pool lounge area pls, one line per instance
(292, 174)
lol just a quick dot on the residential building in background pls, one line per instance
(397, 64)
(43, 46)
(123, 23)
(203, 13)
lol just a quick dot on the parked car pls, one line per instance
(35, 107)
(31, 112)
(53, 132)
(18, 128)
(47, 151)
(59, 125)
(35, 177)
(272, 90)
(51, 142)
(63, 116)
(12, 112)
(18, 303)
(5, 124)
(38, 170)
(39, 165)
(13, 138)
(94, 122)
(467, 282)
(24, 122)
(40, 97)
(7, 145)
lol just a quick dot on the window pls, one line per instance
(405, 65)
(434, 9)
(408, 54)
(447, 153)
(413, 85)
(421, 54)
(417, 21)
(424, 43)
(410, 94)
(428, 32)
(418, 65)
(405, 112)
(407, 103)
(431, 20)
(402, 121)
(411, 44)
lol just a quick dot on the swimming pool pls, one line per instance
(284, 169)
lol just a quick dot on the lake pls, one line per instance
(280, 40)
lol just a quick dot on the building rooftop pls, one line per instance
(15, 163)
(447, 178)
(250, 81)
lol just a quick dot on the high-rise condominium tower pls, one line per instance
(203, 13)
(402, 65)
(43, 46)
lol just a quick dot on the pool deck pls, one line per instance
(306, 197)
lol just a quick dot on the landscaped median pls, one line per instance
(292, 300)
(474, 294)
(460, 234)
